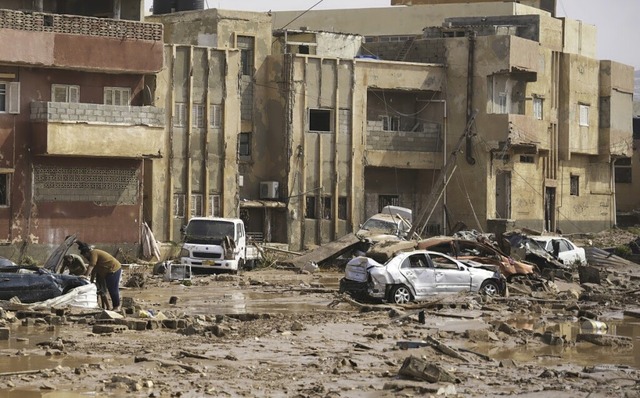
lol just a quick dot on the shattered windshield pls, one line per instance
(374, 225)
(208, 231)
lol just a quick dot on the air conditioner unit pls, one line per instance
(269, 190)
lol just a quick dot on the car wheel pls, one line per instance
(490, 288)
(401, 295)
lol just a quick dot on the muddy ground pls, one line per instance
(280, 333)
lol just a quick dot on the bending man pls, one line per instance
(104, 265)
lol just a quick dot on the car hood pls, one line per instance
(54, 261)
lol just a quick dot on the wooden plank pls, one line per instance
(327, 251)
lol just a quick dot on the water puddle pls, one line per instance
(582, 354)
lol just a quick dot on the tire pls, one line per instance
(400, 295)
(490, 288)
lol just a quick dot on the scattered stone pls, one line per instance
(106, 314)
(589, 275)
(481, 335)
(508, 329)
(605, 340)
(104, 329)
(421, 388)
(297, 326)
(508, 363)
(551, 339)
(47, 386)
(417, 368)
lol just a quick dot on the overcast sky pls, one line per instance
(617, 23)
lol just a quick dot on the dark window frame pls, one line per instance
(244, 144)
(623, 171)
(574, 185)
(310, 207)
(320, 120)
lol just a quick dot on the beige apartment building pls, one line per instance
(550, 119)
(304, 132)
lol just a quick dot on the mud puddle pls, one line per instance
(582, 354)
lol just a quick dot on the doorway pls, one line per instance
(503, 195)
(550, 208)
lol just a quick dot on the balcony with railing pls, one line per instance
(79, 42)
(62, 128)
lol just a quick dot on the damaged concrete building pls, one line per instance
(300, 130)
(75, 128)
(627, 187)
(304, 132)
(545, 118)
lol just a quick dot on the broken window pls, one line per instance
(197, 115)
(179, 114)
(196, 205)
(537, 108)
(342, 208)
(320, 120)
(326, 207)
(501, 103)
(244, 144)
(574, 189)
(3, 97)
(214, 205)
(310, 207)
(390, 123)
(10, 97)
(178, 205)
(246, 46)
(215, 118)
(505, 94)
(623, 171)
(527, 159)
(65, 93)
(117, 96)
(584, 114)
(4, 189)
(387, 200)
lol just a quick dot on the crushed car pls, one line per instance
(418, 275)
(478, 252)
(553, 255)
(31, 284)
(392, 223)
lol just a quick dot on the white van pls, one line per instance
(214, 242)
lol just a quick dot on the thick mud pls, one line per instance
(276, 333)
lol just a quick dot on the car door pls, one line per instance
(568, 253)
(419, 274)
(450, 276)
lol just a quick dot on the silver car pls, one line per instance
(418, 275)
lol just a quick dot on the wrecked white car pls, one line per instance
(392, 223)
(561, 248)
(418, 275)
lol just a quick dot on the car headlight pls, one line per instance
(184, 253)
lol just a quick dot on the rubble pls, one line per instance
(292, 334)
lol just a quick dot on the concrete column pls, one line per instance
(117, 9)
(38, 5)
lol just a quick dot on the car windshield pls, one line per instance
(208, 231)
(380, 226)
